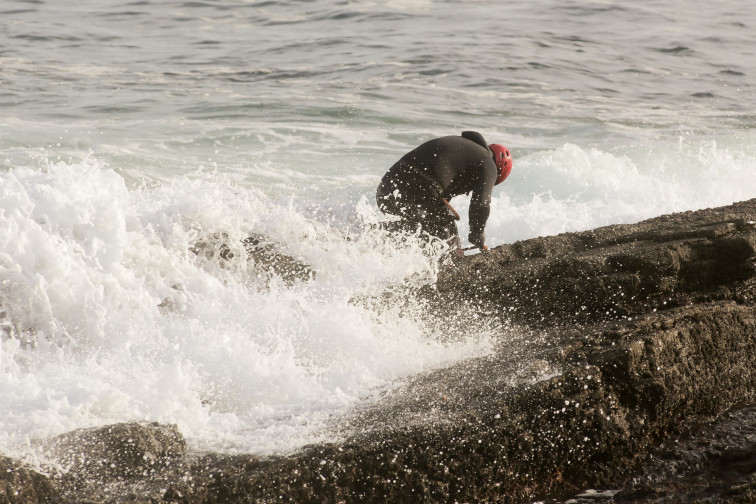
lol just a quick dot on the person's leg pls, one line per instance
(403, 197)
(440, 222)
(418, 206)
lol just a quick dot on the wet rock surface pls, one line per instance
(20, 484)
(712, 461)
(110, 457)
(265, 258)
(626, 362)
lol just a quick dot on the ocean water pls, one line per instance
(131, 131)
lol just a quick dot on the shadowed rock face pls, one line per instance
(612, 343)
(616, 271)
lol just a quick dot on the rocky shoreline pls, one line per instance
(627, 362)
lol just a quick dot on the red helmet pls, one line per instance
(503, 159)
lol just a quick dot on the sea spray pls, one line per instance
(575, 188)
(110, 316)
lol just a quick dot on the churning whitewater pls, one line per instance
(109, 315)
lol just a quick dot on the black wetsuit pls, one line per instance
(441, 168)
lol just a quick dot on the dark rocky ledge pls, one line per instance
(627, 361)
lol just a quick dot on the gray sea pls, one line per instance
(130, 131)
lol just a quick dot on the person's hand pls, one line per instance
(477, 239)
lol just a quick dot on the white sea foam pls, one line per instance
(572, 188)
(109, 317)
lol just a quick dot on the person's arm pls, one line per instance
(478, 218)
(480, 204)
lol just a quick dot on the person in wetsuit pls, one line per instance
(419, 186)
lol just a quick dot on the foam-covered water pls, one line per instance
(111, 317)
(132, 131)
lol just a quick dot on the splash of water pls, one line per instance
(109, 316)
